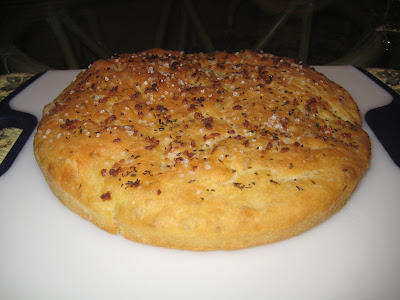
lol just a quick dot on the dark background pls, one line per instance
(363, 32)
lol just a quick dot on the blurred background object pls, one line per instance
(41, 35)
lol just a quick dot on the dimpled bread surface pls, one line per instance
(202, 151)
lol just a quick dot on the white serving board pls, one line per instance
(49, 252)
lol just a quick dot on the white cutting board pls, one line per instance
(48, 252)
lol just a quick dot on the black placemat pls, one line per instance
(385, 121)
(10, 118)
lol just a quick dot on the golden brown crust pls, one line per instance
(202, 151)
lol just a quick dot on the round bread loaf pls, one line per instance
(202, 151)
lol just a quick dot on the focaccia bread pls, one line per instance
(202, 151)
